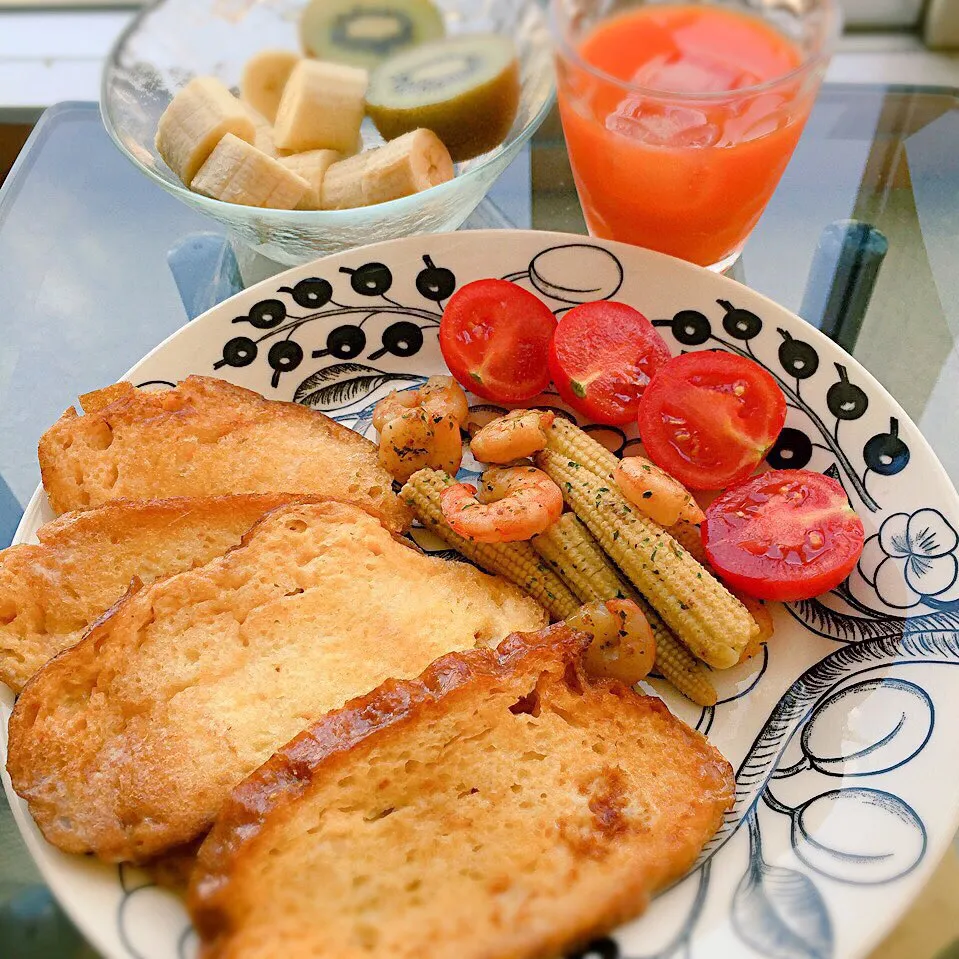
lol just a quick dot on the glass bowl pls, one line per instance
(172, 41)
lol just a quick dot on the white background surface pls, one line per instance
(50, 56)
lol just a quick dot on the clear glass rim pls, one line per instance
(821, 55)
(357, 216)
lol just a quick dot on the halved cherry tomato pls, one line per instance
(784, 535)
(495, 339)
(602, 358)
(709, 418)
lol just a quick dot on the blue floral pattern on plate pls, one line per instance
(912, 559)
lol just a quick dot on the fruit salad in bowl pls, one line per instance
(311, 127)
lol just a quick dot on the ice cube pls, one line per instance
(760, 116)
(663, 126)
(690, 72)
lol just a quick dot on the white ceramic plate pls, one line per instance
(840, 734)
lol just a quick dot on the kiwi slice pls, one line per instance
(365, 32)
(465, 89)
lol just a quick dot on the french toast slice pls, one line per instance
(502, 805)
(207, 437)
(51, 593)
(126, 744)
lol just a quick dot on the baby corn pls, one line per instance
(568, 440)
(698, 609)
(689, 537)
(517, 562)
(677, 664)
(570, 549)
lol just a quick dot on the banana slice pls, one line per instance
(409, 164)
(198, 117)
(312, 166)
(342, 187)
(263, 140)
(237, 172)
(322, 108)
(264, 78)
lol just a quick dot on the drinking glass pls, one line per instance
(682, 168)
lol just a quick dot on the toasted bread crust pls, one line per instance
(51, 593)
(207, 437)
(614, 869)
(127, 743)
(97, 400)
(288, 774)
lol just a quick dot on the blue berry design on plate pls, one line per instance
(279, 330)
(885, 454)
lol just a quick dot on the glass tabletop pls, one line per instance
(97, 265)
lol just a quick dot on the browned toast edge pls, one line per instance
(290, 771)
(78, 518)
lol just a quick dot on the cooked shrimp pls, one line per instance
(392, 406)
(623, 645)
(440, 395)
(420, 428)
(515, 436)
(416, 439)
(515, 504)
(663, 499)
